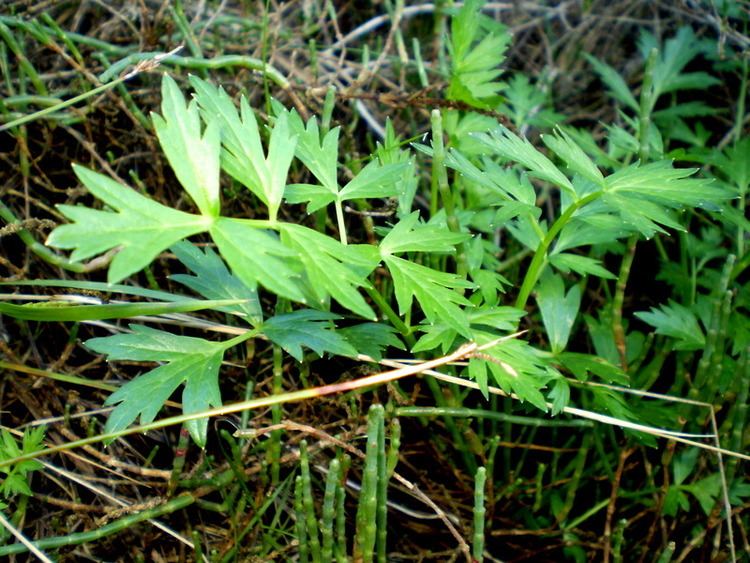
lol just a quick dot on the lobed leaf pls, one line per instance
(242, 155)
(558, 308)
(140, 227)
(308, 328)
(257, 257)
(435, 292)
(678, 322)
(193, 362)
(508, 145)
(213, 280)
(193, 157)
(333, 269)
(409, 235)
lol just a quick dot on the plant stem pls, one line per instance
(440, 178)
(122, 524)
(479, 513)
(622, 281)
(648, 99)
(392, 317)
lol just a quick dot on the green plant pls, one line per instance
(543, 236)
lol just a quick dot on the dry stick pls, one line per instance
(407, 12)
(668, 434)
(294, 396)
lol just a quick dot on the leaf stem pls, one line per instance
(391, 315)
(540, 256)
(340, 221)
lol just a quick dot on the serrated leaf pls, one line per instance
(319, 157)
(478, 372)
(409, 235)
(372, 339)
(505, 183)
(435, 335)
(242, 155)
(499, 318)
(516, 368)
(139, 226)
(661, 183)
(333, 268)
(508, 145)
(559, 309)
(560, 395)
(16, 474)
(594, 224)
(477, 47)
(213, 280)
(193, 362)
(193, 157)
(576, 160)
(616, 84)
(678, 322)
(433, 290)
(257, 257)
(308, 328)
(706, 491)
(580, 365)
(580, 264)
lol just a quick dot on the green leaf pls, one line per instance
(661, 183)
(375, 180)
(64, 311)
(333, 268)
(528, 104)
(580, 365)
(389, 152)
(372, 339)
(409, 235)
(434, 290)
(316, 196)
(213, 280)
(193, 362)
(320, 158)
(516, 368)
(560, 396)
(477, 46)
(508, 145)
(242, 156)
(559, 310)
(435, 335)
(676, 321)
(498, 318)
(308, 328)
(140, 227)
(584, 265)
(616, 84)
(576, 160)
(505, 184)
(675, 54)
(16, 474)
(706, 491)
(194, 158)
(257, 257)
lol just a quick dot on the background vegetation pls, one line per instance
(529, 218)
